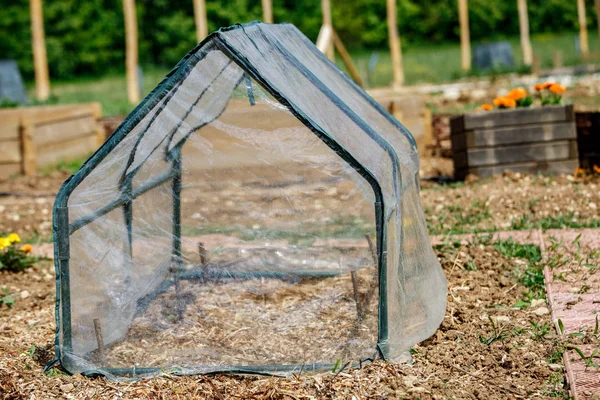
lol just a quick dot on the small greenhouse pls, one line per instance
(257, 212)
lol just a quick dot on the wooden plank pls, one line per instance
(339, 45)
(54, 153)
(395, 43)
(325, 39)
(63, 131)
(8, 170)
(545, 167)
(27, 147)
(49, 115)
(9, 126)
(514, 135)
(559, 150)
(503, 118)
(38, 42)
(465, 36)
(10, 152)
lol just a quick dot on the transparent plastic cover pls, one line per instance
(257, 212)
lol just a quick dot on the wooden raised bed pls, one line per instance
(588, 138)
(36, 137)
(523, 140)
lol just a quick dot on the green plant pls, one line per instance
(498, 334)
(7, 299)
(12, 257)
(540, 330)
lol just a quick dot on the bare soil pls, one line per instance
(485, 348)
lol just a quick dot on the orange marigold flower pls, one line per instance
(509, 103)
(26, 248)
(556, 88)
(547, 85)
(596, 169)
(517, 94)
(540, 86)
(487, 107)
(499, 101)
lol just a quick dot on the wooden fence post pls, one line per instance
(597, 7)
(395, 44)
(100, 130)
(200, 20)
(524, 28)
(40, 60)
(328, 21)
(465, 37)
(583, 34)
(131, 51)
(267, 9)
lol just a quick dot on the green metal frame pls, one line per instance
(62, 229)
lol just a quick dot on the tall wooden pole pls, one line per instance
(40, 60)
(131, 51)
(395, 44)
(465, 37)
(583, 34)
(597, 7)
(267, 9)
(200, 19)
(328, 21)
(524, 27)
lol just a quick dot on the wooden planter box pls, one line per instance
(588, 138)
(36, 137)
(529, 140)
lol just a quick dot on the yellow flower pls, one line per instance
(4, 242)
(517, 94)
(487, 107)
(13, 238)
(27, 248)
(556, 88)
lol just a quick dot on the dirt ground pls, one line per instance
(496, 342)
(485, 348)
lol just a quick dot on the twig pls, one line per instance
(372, 248)
(487, 381)
(357, 299)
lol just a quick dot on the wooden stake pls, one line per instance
(202, 253)
(200, 19)
(583, 34)
(328, 21)
(28, 166)
(131, 49)
(339, 45)
(267, 8)
(465, 36)
(99, 338)
(372, 248)
(394, 42)
(524, 27)
(325, 39)
(597, 7)
(40, 60)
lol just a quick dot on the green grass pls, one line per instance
(423, 63)
(441, 62)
